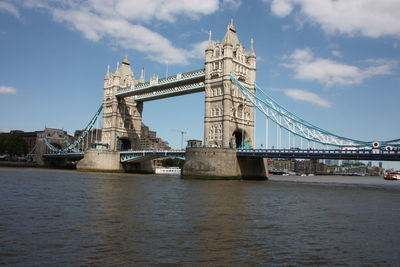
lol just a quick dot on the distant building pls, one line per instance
(150, 141)
(29, 138)
(57, 137)
(279, 165)
(194, 143)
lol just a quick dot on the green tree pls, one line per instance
(13, 145)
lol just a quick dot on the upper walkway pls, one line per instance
(180, 84)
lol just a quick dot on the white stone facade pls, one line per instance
(228, 116)
(122, 117)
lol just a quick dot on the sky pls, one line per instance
(335, 63)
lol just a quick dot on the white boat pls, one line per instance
(392, 175)
(168, 170)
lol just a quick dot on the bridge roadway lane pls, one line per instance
(66, 155)
(131, 156)
(373, 154)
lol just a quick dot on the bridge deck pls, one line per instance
(135, 156)
(180, 84)
(375, 155)
(69, 155)
(381, 155)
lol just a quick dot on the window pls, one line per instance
(239, 112)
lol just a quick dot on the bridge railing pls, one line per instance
(131, 155)
(321, 151)
(373, 154)
(171, 91)
(163, 81)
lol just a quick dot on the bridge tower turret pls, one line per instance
(229, 117)
(122, 117)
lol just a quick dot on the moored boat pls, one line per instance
(168, 170)
(392, 175)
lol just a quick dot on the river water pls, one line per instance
(69, 218)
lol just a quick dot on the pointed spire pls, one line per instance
(252, 53)
(126, 60)
(117, 70)
(108, 74)
(210, 42)
(231, 36)
(142, 75)
(231, 27)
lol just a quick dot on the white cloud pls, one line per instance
(4, 129)
(7, 7)
(369, 18)
(281, 8)
(336, 53)
(7, 90)
(232, 4)
(329, 72)
(125, 22)
(307, 96)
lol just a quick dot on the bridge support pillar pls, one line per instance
(221, 163)
(100, 160)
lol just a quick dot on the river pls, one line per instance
(70, 218)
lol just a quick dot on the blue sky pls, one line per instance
(334, 63)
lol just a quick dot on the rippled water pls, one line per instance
(68, 218)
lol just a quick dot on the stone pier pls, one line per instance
(100, 160)
(103, 160)
(222, 163)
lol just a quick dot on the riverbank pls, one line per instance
(333, 179)
(18, 164)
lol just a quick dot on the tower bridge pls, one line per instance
(228, 79)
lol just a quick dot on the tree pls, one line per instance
(13, 145)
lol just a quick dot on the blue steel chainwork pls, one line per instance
(131, 156)
(298, 126)
(73, 146)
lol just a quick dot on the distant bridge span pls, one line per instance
(141, 155)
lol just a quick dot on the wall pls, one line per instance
(100, 160)
(221, 163)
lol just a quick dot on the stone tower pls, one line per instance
(122, 117)
(229, 117)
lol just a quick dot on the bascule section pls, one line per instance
(229, 116)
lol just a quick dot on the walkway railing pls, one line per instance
(371, 154)
(146, 154)
(153, 84)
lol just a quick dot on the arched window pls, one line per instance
(239, 112)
